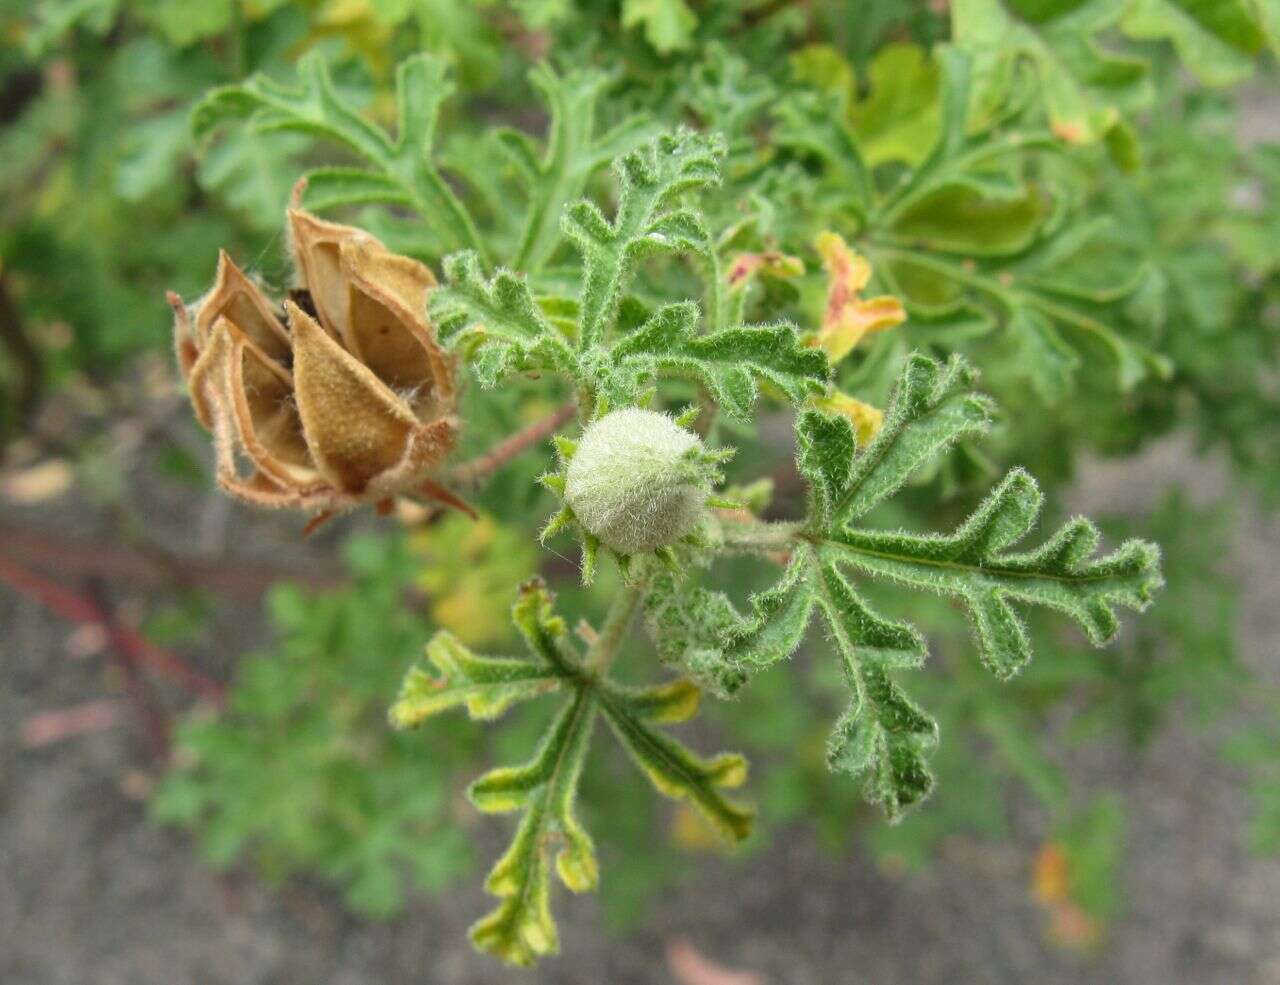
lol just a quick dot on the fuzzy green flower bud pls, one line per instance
(638, 480)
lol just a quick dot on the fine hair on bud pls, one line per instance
(638, 481)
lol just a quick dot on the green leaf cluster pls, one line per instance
(883, 734)
(300, 774)
(398, 170)
(973, 239)
(544, 789)
(504, 328)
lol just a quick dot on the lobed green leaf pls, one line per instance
(882, 733)
(521, 929)
(314, 108)
(672, 768)
(976, 564)
(651, 178)
(487, 686)
(730, 363)
(930, 408)
(573, 153)
(497, 321)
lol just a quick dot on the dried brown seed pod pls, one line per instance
(345, 398)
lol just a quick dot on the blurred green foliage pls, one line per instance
(300, 773)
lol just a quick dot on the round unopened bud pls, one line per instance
(638, 480)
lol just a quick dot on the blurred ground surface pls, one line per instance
(93, 894)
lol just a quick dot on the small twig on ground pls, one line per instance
(47, 727)
(130, 651)
(483, 466)
(146, 566)
(86, 608)
(688, 967)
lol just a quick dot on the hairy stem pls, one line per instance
(586, 404)
(621, 611)
(480, 468)
(746, 534)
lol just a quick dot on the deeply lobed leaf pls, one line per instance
(931, 407)
(521, 929)
(976, 564)
(573, 153)
(672, 768)
(487, 686)
(730, 363)
(883, 734)
(402, 171)
(647, 220)
(499, 317)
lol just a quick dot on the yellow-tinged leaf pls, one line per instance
(1070, 926)
(823, 67)
(486, 686)
(576, 862)
(848, 316)
(669, 703)
(1049, 874)
(866, 418)
(692, 832)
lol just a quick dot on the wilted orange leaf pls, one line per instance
(848, 316)
(770, 263)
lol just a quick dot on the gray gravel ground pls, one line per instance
(93, 894)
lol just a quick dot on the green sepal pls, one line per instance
(555, 481)
(562, 521)
(565, 447)
(590, 555)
